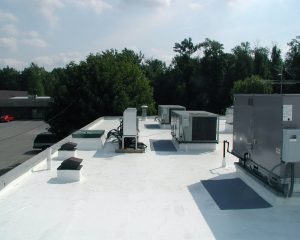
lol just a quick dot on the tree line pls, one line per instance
(201, 76)
(206, 80)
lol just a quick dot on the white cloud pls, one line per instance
(9, 42)
(34, 42)
(239, 4)
(244, 4)
(58, 60)
(195, 5)
(12, 37)
(7, 17)
(32, 38)
(44, 61)
(10, 29)
(12, 62)
(133, 48)
(161, 54)
(12, 43)
(96, 5)
(148, 3)
(48, 7)
(32, 34)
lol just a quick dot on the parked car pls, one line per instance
(45, 140)
(7, 118)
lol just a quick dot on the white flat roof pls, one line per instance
(151, 195)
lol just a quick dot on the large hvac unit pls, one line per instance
(164, 112)
(195, 127)
(266, 137)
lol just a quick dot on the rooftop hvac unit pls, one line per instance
(195, 127)
(130, 126)
(266, 136)
(164, 112)
(130, 122)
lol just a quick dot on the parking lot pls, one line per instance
(16, 140)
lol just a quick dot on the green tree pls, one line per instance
(10, 79)
(292, 62)
(261, 62)
(49, 83)
(186, 47)
(253, 84)
(180, 74)
(229, 78)
(155, 70)
(130, 56)
(243, 66)
(276, 63)
(34, 77)
(103, 85)
(213, 71)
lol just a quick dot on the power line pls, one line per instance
(284, 82)
(62, 111)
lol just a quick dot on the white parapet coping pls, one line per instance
(31, 163)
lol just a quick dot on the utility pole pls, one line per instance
(281, 79)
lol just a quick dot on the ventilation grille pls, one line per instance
(204, 129)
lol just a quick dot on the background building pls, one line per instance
(23, 107)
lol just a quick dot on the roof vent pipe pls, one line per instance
(144, 112)
(49, 158)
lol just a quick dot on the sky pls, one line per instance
(51, 33)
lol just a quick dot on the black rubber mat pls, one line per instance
(162, 145)
(152, 126)
(230, 194)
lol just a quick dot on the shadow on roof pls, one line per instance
(225, 209)
(232, 194)
(162, 146)
(152, 126)
(55, 180)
